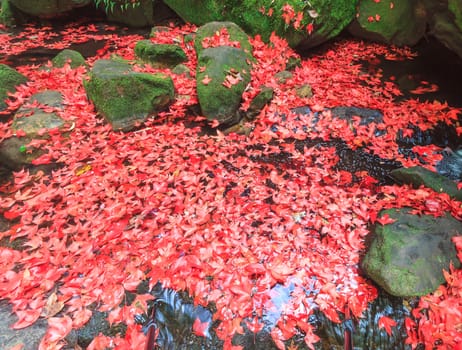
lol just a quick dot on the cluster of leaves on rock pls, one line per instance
(216, 216)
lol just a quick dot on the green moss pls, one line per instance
(9, 79)
(6, 15)
(124, 97)
(332, 17)
(455, 6)
(162, 55)
(74, 58)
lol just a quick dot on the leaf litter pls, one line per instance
(202, 213)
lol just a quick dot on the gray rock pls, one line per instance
(406, 257)
(30, 337)
(33, 121)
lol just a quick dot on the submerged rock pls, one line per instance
(407, 257)
(126, 98)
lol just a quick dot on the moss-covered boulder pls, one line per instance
(48, 8)
(222, 75)
(9, 79)
(126, 98)
(393, 22)
(215, 34)
(160, 55)
(74, 58)
(418, 176)
(406, 257)
(306, 23)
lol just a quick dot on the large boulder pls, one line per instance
(393, 22)
(9, 79)
(302, 23)
(126, 98)
(48, 8)
(406, 258)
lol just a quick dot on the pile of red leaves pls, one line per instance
(202, 213)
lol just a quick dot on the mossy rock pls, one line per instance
(140, 15)
(48, 8)
(418, 176)
(74, 58)
(455, 6)
(9, 79)
(6, 13)
(160, 55)
(406, 258)
(33, 122)
(328, 17)
(126, 98)
(392, 22)
(212, 29)
(215, 66)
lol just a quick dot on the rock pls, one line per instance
(126, 98)
(327, 18)
(304, 91)
(445, 23)
(234, 35)
(261, 100)
(160, 55)
(34, 122)
(283, 76)
(451, 165)
(418, 176)
(48, 8)
(406, 257)
(30, 337)
(141, 15)
(74, 58)
(222, 76)
(9, 79)
(393, 22)
(6, 13)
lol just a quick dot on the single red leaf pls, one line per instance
(387, 323)
(200, 328)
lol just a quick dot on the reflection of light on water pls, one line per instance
(281, 296)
